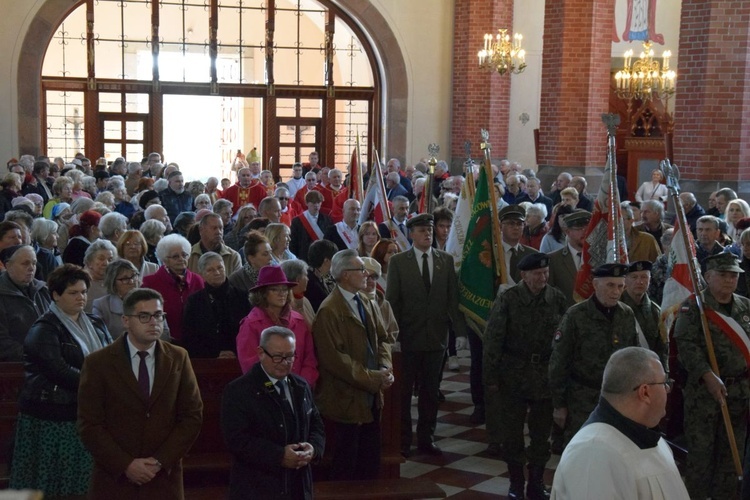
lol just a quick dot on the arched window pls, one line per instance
(198, 80)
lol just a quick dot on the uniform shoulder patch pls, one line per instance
(558, 336)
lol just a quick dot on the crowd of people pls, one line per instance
(296, 281)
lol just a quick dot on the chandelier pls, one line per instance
(645, 78)
(501, 54)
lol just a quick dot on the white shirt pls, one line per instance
(508, 254)
(578, 261)
(278, 391)
(135, 361)
(430, 261)
(295, 185)
(349, 298)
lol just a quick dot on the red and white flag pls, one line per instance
(732, 330)
(604, 240)
(678, 287)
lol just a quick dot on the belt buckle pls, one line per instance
(535, 359)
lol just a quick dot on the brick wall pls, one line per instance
(712, 133)
(575, 89)
(480, 99)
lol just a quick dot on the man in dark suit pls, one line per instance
(139, 407)
(423, 291)
(533, 195)
(309, 226)
(354, 360)
(565, 262)
(271, 425)
(584, 200)
(398, 222)
(344, 233)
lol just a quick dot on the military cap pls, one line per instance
(722, 262)
(640, 265)
(578, 218)
(533, 261)
(612, 270)
(420, 220)
(512, 212)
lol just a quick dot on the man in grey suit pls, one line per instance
(565, 262)
(423, 291)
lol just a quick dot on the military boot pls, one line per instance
(515, 492)
(535, 489)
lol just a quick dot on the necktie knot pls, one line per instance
(143, 354)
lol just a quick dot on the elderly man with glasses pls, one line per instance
(354, 361)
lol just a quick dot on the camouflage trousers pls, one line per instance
(581, 402)
(710, 468)
(517, 410)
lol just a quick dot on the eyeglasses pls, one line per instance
(278, 358)
(282, 198)
(145, 317)
(373, 277)
(357, 270)
(667, 385)
(128, 279)
(181, 256)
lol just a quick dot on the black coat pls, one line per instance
(52, 364)
(256, 429)
(212, 320)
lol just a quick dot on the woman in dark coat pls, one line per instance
(54, 350)
(213, 315)
(320, 281)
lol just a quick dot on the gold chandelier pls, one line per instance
(501, 54)
(645, 78)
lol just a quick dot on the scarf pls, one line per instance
(82, 330)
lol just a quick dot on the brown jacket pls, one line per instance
(345, 382)
(116, 425)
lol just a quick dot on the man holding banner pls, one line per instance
(710, 471)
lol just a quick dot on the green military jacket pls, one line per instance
(647, 314)
(583, 344)
(518, 339)
(691, 343)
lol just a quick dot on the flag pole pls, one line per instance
(671, 174)
(499, 254)
(433, 149)
(381, 186)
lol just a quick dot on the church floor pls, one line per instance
(465, 470)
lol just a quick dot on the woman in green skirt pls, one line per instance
(48, 454)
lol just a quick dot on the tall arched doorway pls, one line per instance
(285, 76)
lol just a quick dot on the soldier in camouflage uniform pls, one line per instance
(588, 334)
(517, 347)
(647, 313)
(710, 470)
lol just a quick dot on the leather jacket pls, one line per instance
(52, 363)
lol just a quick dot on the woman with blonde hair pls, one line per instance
(132, 247)
(368, 238)
(278, 236)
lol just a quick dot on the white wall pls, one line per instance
(14, 22)
(424, 30)
(525, 88)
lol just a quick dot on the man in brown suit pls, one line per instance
(139, 408)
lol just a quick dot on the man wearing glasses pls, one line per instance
(139, 407)
(619, 451)
(271, 425)
(354, 361)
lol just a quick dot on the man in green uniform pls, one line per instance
(710, 472)
(646, 312)
(588, 334)
(517, 347)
